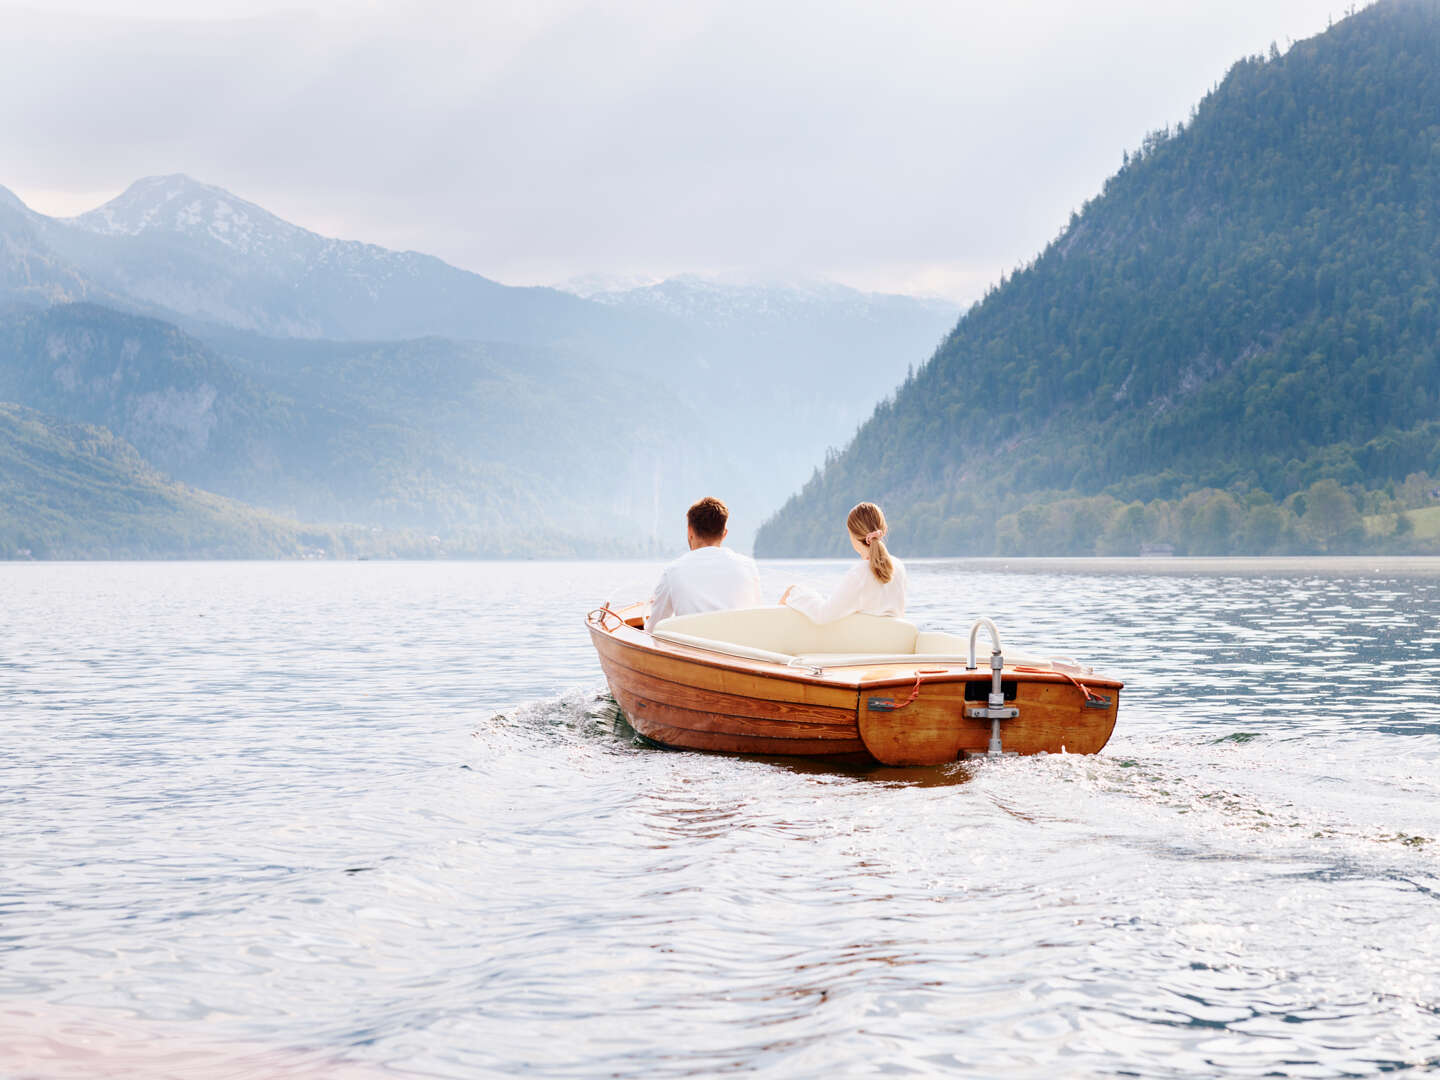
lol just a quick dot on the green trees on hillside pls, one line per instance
(1324, 518)
(1251, 306)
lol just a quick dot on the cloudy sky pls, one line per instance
(904, 145)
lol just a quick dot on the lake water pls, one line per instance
(369, 820)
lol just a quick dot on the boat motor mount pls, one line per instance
(995, 709)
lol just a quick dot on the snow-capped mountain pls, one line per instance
(826, 345)
(179, 204)
(208, 218)
(714, 303)
(176, 246)
(589, 285)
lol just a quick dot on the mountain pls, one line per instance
(31, 273)
(786, 371)
(514, 439)
(71, 490)
(196, 252)
(1236, 346)
(816, 342)
(498, 449)
(153, 386)
(331, 380)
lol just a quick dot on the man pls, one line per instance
(709, 577)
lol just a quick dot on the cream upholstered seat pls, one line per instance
(783, 633)
(784, 636)
(935, 641)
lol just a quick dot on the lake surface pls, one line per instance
(370, 820)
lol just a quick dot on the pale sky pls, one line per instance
(905, 145)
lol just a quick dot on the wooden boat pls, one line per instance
(865, 688)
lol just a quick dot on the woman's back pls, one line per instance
(859, 590)
(876, 586)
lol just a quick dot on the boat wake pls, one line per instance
(589, 712)
(1240, 791)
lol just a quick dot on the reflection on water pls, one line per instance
(923, 776)
(369, 819)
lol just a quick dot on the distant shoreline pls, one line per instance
(1178, 565)
(1334, 565)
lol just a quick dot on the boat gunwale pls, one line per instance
(907, 674)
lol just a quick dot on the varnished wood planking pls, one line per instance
(934, 729)
(642, 710)
(708, 672)
(929, 731)
(691, 697)
(1053, 717)
(651, 708)
(686, 739)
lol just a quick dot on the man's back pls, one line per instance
(709, 578)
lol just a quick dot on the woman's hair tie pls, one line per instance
(872, 536)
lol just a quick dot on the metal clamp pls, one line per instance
(989, 712)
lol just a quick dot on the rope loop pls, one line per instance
(915, 692)
(599, 616)
(1090, 695)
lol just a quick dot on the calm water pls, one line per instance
(368, 820)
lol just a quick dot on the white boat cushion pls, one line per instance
(729, 648)
(785, 631)
(784, 636)
(933, 641)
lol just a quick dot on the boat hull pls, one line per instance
(893, 713)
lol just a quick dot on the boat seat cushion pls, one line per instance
(785, 631)
(935, 641)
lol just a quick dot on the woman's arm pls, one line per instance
(845, 600)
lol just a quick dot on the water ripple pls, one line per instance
(367, 820)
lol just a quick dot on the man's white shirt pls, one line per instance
(705, 579)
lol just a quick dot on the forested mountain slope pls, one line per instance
(1249, 309)
(497, 449)
(76, 491)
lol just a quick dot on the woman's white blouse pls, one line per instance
(859, 590)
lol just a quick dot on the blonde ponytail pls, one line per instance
(867, 524)
(880, 563)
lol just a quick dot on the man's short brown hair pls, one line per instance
(708, 518)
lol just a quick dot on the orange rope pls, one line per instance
(915, 693)
(1090, 695)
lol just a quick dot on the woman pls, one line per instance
(876, 586)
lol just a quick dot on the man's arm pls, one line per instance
(661, 605)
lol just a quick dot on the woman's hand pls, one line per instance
(786, 594)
